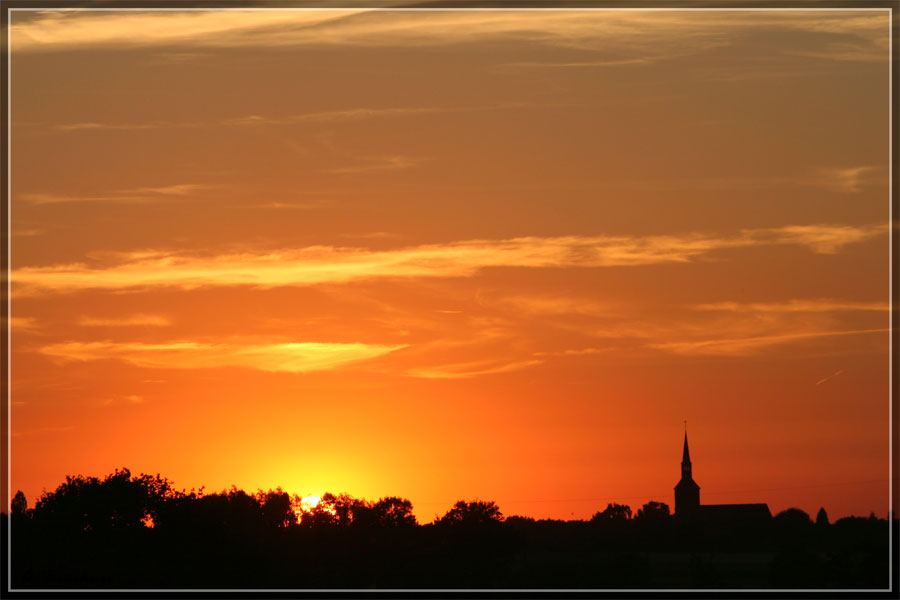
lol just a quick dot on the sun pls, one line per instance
(309, 502)
(309, 505)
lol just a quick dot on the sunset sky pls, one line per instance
(454, 254)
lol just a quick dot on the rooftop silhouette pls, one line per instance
(689, 510)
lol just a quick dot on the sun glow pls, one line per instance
(309, 502)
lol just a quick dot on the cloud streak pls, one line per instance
(301, 357)
(352, 114)
(551, 305)
(126, 321)
(42, 430)
(328, 117)
(469, 369)
(820, 305)
(617, 36)
(832, 376)
(733, 328)
(749, 345)
(386, 163)
(21, 323)
(848, 179)
(143, 195)
(577, 64)
(326, 264)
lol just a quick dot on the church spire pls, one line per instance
(687, 492)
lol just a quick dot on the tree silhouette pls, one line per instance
(472, 514)
(89, 504)
(19, 504)
(394, 512)
(93, 533)
(793, 527)
(822, 518)
(793, 515)
(319, 515)
(276, 507)
(343, 506)
(613, 512)
(653, 512)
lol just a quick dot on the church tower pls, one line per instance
(687, 492)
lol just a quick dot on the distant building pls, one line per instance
(688, 507)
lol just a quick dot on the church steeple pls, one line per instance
(686, 460)
(687, 492)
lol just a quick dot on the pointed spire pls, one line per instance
(686, 458)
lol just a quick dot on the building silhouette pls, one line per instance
(689, 510)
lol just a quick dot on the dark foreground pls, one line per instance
(136, 532)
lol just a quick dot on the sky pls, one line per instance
(493, 254)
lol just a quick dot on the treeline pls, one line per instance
(127, 531)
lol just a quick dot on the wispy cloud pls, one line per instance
(59, 31)
(21, 323)
(351, 114)
(576, 352)
(325, 264)
(314, 117)
(181, 189)
(27, 232)
(833, 375)
(294, 205)
(127, 399)
(126, 321)
(91, 125)
(822, 239)
(301, 357)
(142, 195)
(586, 64)
(549, 305)
(818, 305)
(732, 328)
(385, 163)
(616, 35)
(749, 345)
(44, 198)
(371, 235)
(42, 430)
(848, 179)
(469, 369)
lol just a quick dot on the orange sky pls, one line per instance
(450, 255)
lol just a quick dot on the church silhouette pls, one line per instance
(688, 509)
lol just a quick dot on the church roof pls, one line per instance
(686, 482)
(686, 457)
